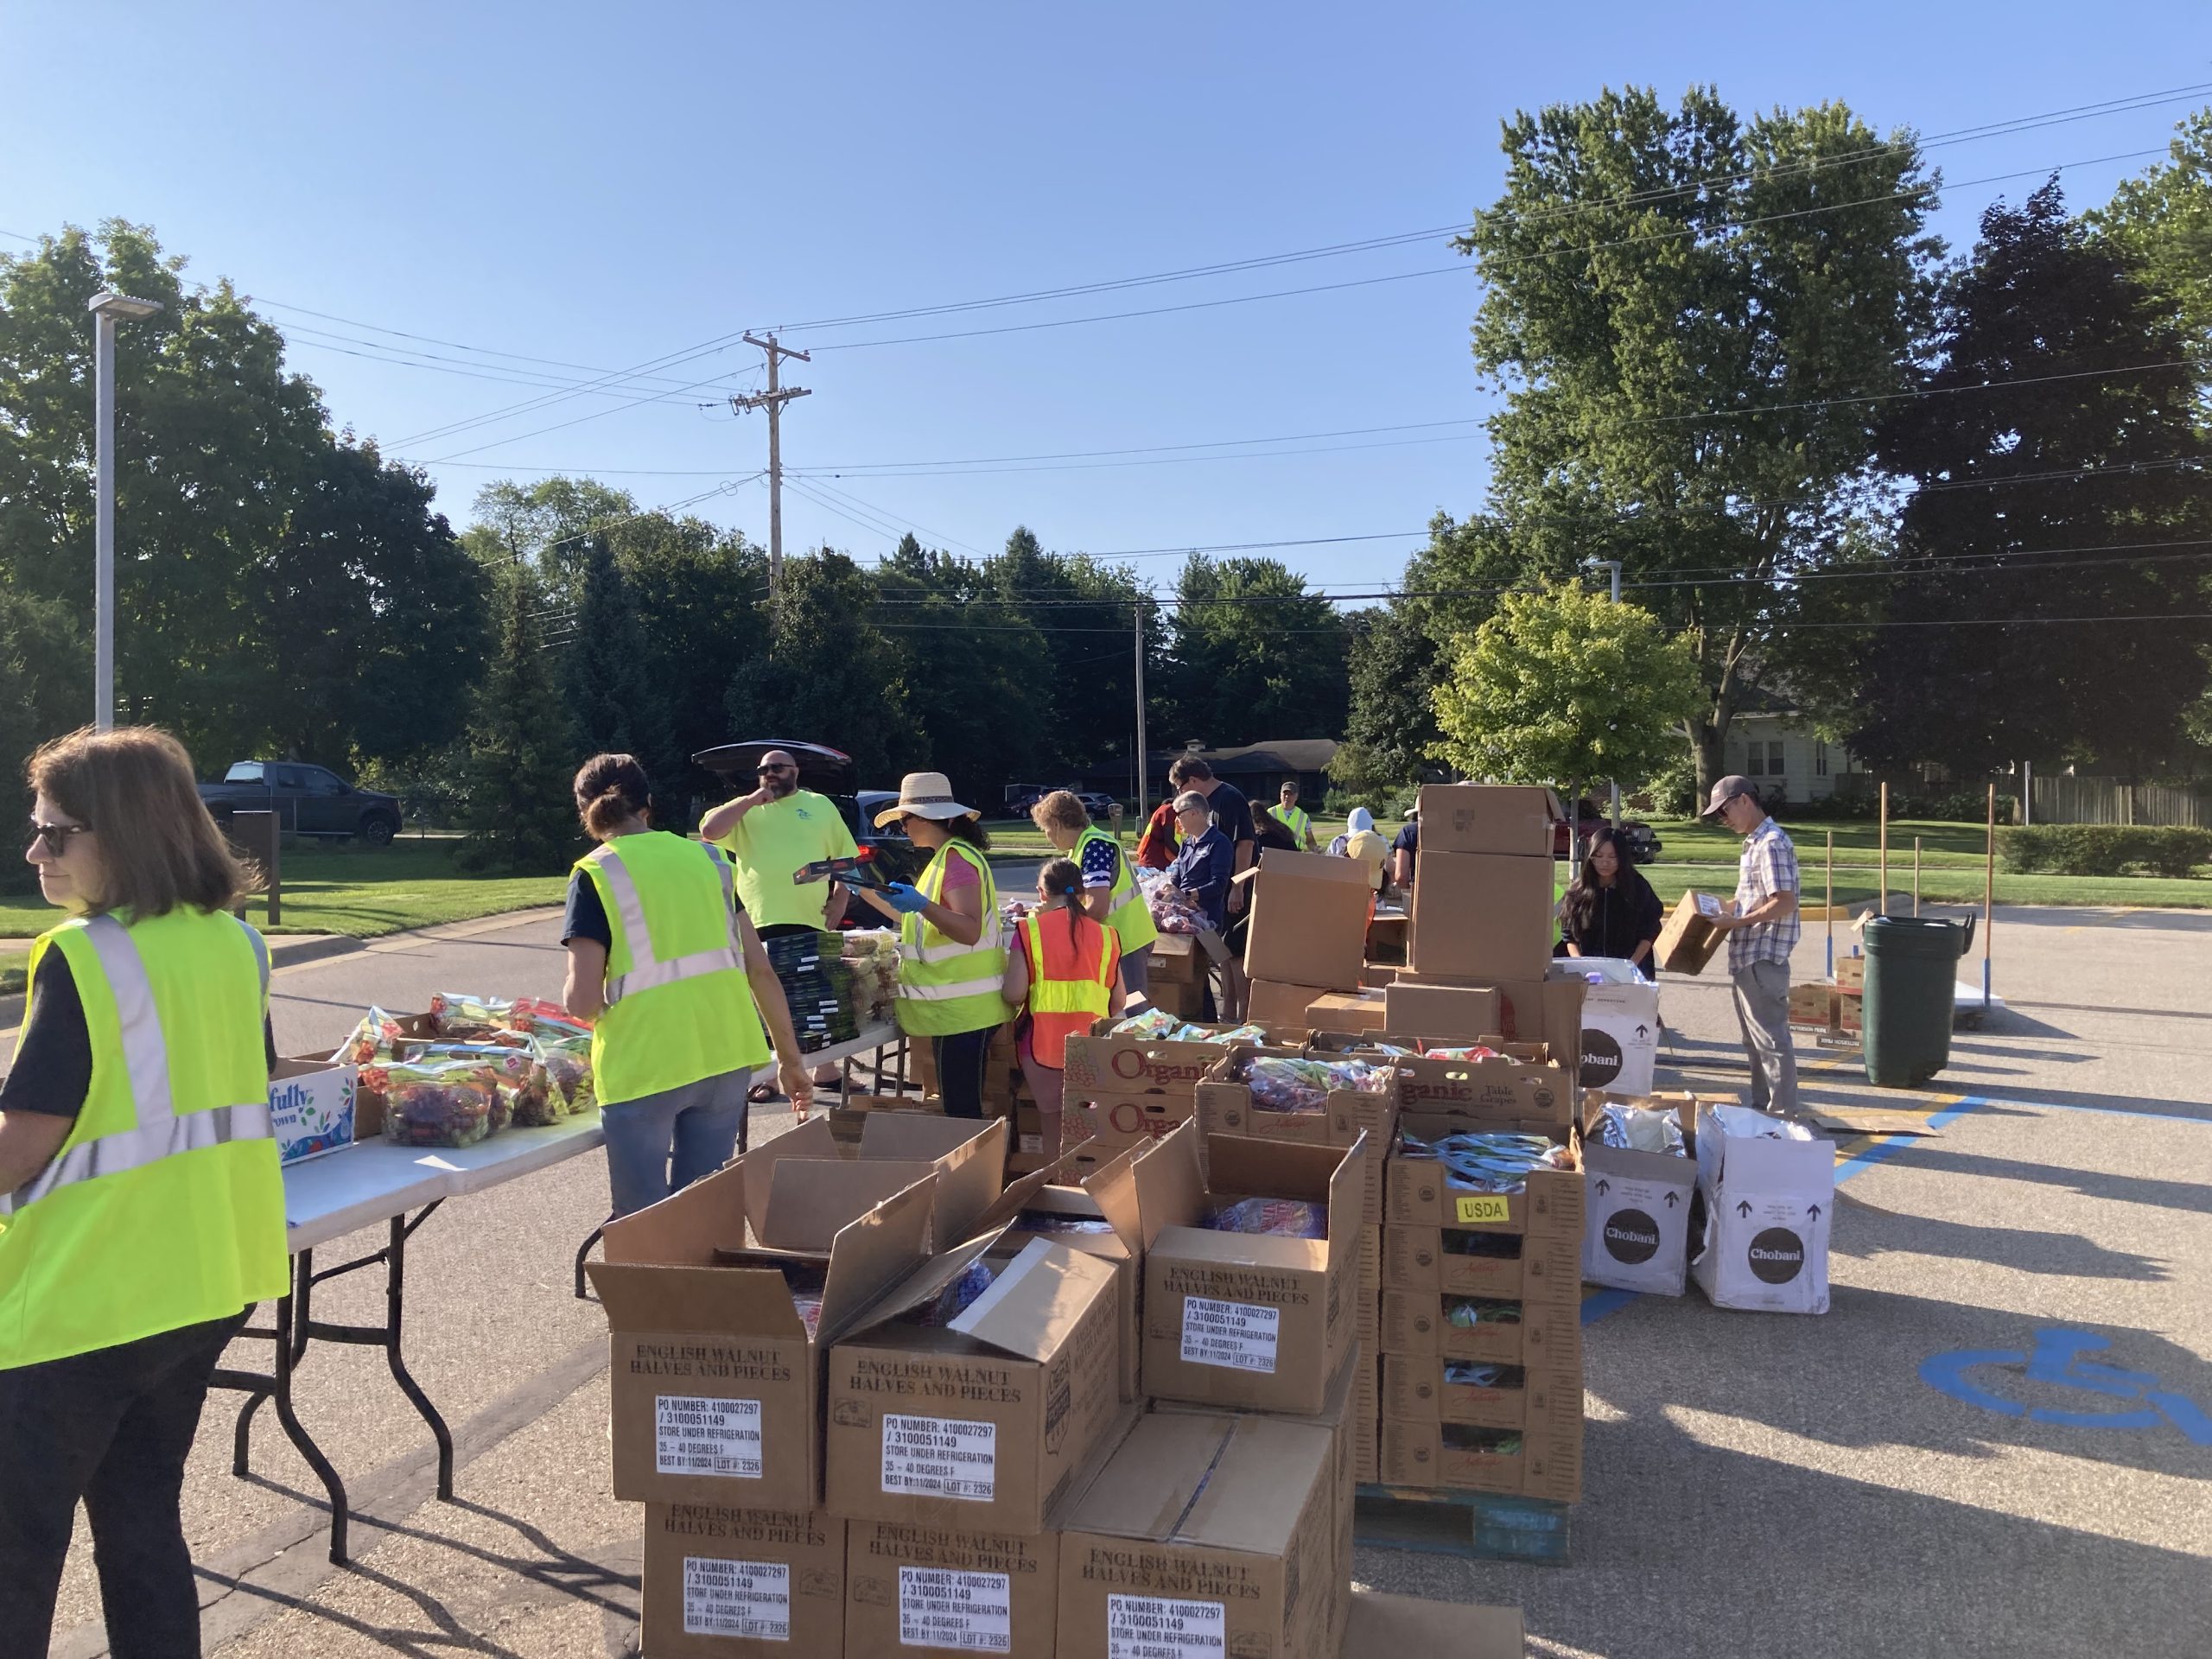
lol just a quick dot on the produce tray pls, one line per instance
(1475, 1526)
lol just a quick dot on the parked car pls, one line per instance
(831, 773)
(308, 800)
(1642, 844)
(1019, 797)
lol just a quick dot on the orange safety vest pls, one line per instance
(1071, 980)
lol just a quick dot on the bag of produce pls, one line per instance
(441, 1103)
(525, 1084)
(371, 1042)
(461, 1017)
(567, 1062)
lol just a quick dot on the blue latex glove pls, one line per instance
(906, 898)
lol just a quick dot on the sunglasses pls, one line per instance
(763, 771)
(55, 838)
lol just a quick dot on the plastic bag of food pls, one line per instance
(371, 1042)
(568, 1063)
(1281, 1218)
(534, 1016)
(1498, 1162)
(1280, 1085)
(1464, 1051)
(525, 1086)
(461, 1017)
(443, 1102)
(1641, 1128)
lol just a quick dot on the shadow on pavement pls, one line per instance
(2194, 1197)
(1874, 1231)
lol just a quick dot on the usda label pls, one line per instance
(1488, 1208)
(1159, 1627)
(748, 1599)
(968, 1612)
(940, 1457)
(707, 1437)
(1236, 1336)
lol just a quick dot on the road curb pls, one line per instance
(290, 953)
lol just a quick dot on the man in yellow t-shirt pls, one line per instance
(772, 833)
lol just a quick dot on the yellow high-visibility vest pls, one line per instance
(945, 986)
(1127, 914)
(165, 1206)
(679, 1008)
(1293, 819)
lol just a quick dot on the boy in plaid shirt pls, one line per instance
(1763, 928)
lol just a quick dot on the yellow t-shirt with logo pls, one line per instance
(771, 842)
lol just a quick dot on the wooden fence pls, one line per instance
(2104, 800)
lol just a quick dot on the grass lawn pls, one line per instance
(13, 965)
(350, 889)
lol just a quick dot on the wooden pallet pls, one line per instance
(1476, 1526)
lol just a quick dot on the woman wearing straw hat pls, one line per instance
(952, 954)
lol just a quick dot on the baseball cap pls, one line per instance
(1727, 790)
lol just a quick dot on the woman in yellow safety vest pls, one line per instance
(1065, 975)
(141, 1210)
(952, 953)
(1109, 887)
(668, 968)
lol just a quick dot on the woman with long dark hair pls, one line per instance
(1611, 910)
(1066, 974)
(666, 961)
(952, 958)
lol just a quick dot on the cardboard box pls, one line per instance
(1515, 820)
(1123, 1122)
(1543, 1459)
(1102, 1197)
(1638, 1204)
(1346, 1011)
(1482, 915)
(1769, 1196)
(1121, 1066)
(1237, 1319)
(977, 1422)
(1620, 1023)
(1225, 1101)
(1309, 920)
(1688, 941)
(1367, 1412)
(723, 1583)
(1542, 1266)
(312, 1107)
(803, 1185)
(1279, 1005)
(1376, 974)
(933, 1591)
(1406, 1627)
(715, 1373)
(1420, 1389)
(1417, 1192)
(1522, 1085)
(1442, 1012)
(1207, 1533)
(1548, 1334)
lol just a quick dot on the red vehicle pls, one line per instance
(1643, 846)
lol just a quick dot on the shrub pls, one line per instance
(2104, 849)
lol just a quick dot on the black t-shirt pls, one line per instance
(53, 1061)
(587, 915)
(1232, 813)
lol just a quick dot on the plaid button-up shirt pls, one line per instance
(1769, 866)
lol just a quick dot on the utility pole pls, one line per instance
(107, 308)
(774, 400)
(1612, 567)
(1144, 782)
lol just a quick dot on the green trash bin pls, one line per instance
(1911, 971)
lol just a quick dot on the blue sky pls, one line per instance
(605, 187)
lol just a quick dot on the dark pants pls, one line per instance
(962, 1060)
(112, 1428)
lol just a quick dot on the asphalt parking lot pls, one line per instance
(1754, 1483)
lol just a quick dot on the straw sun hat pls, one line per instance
(925, 795)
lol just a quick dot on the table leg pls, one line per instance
(583, 1250)
(394, 1305)
(258, 1386)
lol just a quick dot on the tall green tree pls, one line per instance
(616, 703)
(548, 524)
(2064, 481)
(1079, 606)
(46, 689)
(1693, 318)
(518, 814)
(827, 675)
(1564, 687)
(2161, 224)
(1254, 655)
(1391, 723)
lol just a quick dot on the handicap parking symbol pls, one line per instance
(2058, 1361)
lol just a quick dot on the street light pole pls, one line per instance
(106, 308)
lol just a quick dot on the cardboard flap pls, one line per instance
(1031, 1306)
(1312, 867)
(1114, 1189)
(1344, 1190)
(1246, 1166)
(811, 1139)
(920, 1134)
(869, 1254)
(1258, 1487)
(921, 1286)
(1171, 1191)
(812, 1199)
(686, 1229)
(1144, 1490)
(1019, 1195)
(701, 1301)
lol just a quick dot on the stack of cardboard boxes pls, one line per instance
(1136, 1436)
(1124, 1089)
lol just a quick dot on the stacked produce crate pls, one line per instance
(818, 986)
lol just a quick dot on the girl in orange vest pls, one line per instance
(1064, 973)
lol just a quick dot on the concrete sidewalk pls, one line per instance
(1755, 1484)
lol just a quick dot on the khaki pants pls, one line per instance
(1763, 1011)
